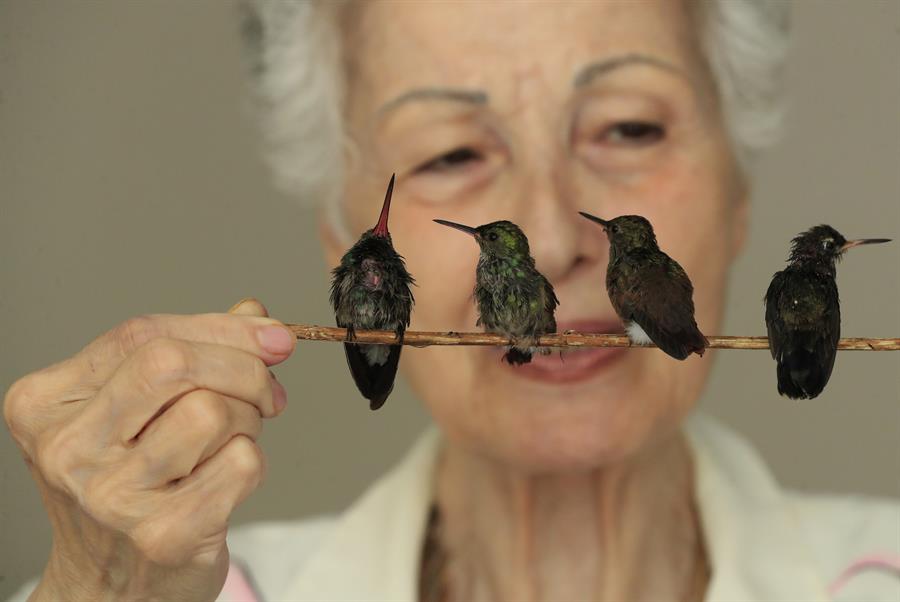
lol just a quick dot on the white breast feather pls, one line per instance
(637, 334)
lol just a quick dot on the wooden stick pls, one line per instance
(309, 332)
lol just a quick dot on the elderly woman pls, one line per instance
(582, 479)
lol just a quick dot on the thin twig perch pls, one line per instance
(567, 339)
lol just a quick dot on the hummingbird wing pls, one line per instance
(658, 297)
(803, 322)
(550, 304)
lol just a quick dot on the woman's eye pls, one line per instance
(633, 133)
(449, 161)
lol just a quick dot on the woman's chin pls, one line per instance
(589, 409)
(580, 411)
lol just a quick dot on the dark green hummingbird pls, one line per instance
(649, 290)
(513, 298)
(371, 290)
(803, 312)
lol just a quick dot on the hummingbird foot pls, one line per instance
(516, 357)
(351, 333)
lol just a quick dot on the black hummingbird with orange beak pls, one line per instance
(649, 290)
(370, 289)
(803, 312)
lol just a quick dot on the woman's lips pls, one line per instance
(577, 364)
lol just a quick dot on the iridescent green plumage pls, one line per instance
(513, 298)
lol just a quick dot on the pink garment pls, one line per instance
(237, 586)
(888, 562)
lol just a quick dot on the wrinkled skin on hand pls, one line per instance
(142, 444)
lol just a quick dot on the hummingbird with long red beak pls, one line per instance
(370, 289)
(649, 290)
(512, 297)
(803, 312)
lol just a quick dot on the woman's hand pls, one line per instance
(142, 444)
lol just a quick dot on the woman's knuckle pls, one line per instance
(18, 404)
(166, 359)
(101, 501)
(247, 459)
(158, 540)
(57, 452)
(205, 411)
(133, 333)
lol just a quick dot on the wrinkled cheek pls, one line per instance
(707, 261)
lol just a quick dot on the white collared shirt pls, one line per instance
(764, 544)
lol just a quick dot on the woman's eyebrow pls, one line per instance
(477, 97)
(600, 68)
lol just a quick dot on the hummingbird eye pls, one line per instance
(827, 244)
(614, 228)
(492, 236)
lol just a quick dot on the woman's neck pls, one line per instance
(626, 532)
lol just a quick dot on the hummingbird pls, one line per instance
(513, 298)
(649, 290)
(803, 312)
(370, 289)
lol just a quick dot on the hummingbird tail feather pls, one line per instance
(374, 380)
(801, 376)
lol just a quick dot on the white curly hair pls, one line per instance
(293, 50)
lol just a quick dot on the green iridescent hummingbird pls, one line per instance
(370, 289)
(649, 290)
(803, 312)
(513, 298)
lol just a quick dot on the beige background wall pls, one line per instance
(129, 183)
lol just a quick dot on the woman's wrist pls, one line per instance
(62, 580)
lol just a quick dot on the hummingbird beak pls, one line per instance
(594, 218)
(863, 241)
(381, 228)
(466, 229)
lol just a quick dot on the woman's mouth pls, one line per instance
(576, 364)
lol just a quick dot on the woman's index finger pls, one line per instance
(266, 338)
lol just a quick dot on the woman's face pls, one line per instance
(532, 112)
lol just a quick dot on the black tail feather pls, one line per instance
(374, 381)
(801, 375)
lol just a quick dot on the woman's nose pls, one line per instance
(560, 244)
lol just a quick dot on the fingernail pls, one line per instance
(276, 339)
(279, 395)
(234, 307)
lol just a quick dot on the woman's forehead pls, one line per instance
(402, 47)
